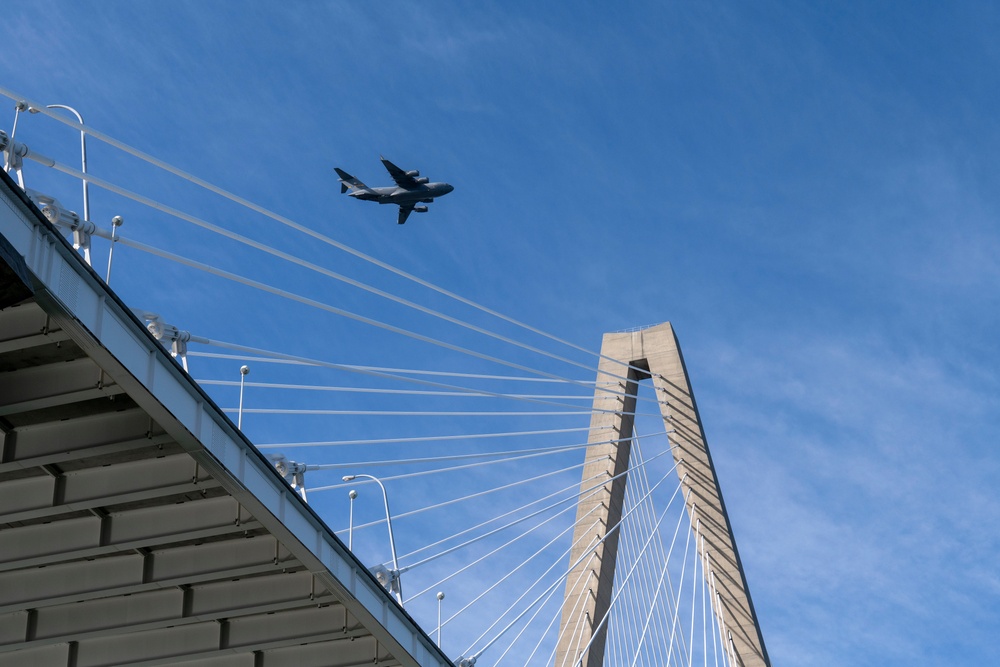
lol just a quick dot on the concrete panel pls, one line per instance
(55, 655)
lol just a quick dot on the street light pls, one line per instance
(352, 494)
(394, 578)
(244, 371)
(440, 597)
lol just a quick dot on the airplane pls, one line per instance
(411, 188)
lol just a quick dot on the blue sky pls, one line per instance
(808, 192)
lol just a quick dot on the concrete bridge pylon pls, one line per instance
(626, 359)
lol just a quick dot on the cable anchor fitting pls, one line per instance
(293, 473)
(388, 579)
(60, 216)
(168, 333)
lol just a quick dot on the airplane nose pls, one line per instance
(448, 188)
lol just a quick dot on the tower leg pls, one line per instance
(651, 353)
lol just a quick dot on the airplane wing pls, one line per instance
(404, 179)
(404, 212)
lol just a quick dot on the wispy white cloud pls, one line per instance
(868, 487)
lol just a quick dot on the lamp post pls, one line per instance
(392, 542)
(244, 371)
(440, 597)
(352, 494)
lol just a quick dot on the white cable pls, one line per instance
(407, 413)
(704, 600)
(290, 223)
(363, 370)
(611, 606)
(609, 532)
(527, 624)
(285, 294)
(478, 494)
(499, 529)
(245, 240)
(630, 556)
(523, 562)
(652, 611)
(645, 517)
(239, 238)
(677, 609)
(581, 581)
(493, 519)
(432, 438)
(694, 590)
(559, 559)
(576, 497)
(659, 554)
(601, 485)
(662, 630)
(399, 371)
(427, 438)
(428, 472)
(502, 456)
(379, 372)
(557, 616)
(375, 390)
(589, 552)
(437, 471)
(319, 305)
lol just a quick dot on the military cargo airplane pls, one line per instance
(411, 189)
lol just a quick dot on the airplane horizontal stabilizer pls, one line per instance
(348, 181)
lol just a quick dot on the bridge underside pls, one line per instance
(137, 526)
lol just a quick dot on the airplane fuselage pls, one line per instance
(394, 194)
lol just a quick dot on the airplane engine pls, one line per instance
(419, 209)
(421, 180)
(413, 173)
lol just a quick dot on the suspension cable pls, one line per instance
(482, 524)
(378, 390)
(369, 371)
(412, 413)
(290, 223)
(509, 455)
(504, 527)
(400, 371)
(585, 494)
(239, 238)
(500, 548)
(478, 494)
(427, 438)
(319, 305)
(610, 532)
(624, 583)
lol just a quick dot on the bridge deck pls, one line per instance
(137, 525)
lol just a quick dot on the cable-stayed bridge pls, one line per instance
(501, 495)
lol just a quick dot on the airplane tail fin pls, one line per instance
(347, 181)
